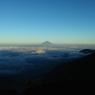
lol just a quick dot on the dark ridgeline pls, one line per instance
(75, 78)
(78, 69)
(86, 51)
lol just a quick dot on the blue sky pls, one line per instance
(57, 21)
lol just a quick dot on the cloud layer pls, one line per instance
(22, 63)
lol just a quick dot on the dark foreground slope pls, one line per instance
(81, 68)
(75, 78)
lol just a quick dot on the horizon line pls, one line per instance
(42, 42)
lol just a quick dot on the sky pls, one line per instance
(57, 21)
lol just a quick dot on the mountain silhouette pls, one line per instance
(79, 69)
(47, 43)
(72, 78)
(86, 51)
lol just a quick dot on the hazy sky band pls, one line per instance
(58, 21)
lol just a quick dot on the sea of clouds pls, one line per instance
(23, 63)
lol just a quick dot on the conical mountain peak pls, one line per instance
(47, 43)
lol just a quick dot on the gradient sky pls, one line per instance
(57, 21)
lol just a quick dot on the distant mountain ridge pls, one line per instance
(46, 43)
(86, 51)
